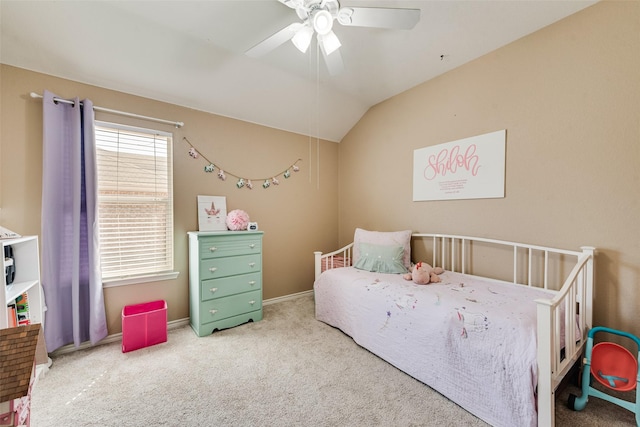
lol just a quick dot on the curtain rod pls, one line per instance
(108, 110)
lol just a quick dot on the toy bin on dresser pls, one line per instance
(225, 279)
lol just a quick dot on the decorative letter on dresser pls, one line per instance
(225, 279)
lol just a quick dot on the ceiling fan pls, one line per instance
(317, 18)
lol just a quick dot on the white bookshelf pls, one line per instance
(27, 279)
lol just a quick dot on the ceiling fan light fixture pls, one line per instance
(344, 16)
(322, 22)
(302, 39)
(329, 42)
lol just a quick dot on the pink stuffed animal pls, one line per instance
(423, 274)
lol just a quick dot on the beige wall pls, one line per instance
(569, 98)
(298, 216)
(568, 95)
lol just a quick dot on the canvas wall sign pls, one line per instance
(469, 168)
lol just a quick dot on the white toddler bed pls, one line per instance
(497, 347)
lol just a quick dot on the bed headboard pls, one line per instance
(520, 263)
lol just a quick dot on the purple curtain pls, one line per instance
(71, 275)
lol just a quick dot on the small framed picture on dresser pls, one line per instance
(212, 213)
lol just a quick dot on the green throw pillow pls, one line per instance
(381, 258)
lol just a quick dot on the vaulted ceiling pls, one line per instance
(192, 53)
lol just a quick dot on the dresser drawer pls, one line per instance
(222, 267)
(224, 246)
(218, 288)
(221, 308)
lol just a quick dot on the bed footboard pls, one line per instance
(563, 325)
(563, 322)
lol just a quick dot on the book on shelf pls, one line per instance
(12, 315)
(22, 303)
(22, 309)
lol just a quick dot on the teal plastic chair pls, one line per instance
(614, 367)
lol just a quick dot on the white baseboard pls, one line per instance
(173, 324)
(70, 348)
(286, 297)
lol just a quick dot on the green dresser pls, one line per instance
(225, 279)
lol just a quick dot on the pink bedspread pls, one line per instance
(473, 341)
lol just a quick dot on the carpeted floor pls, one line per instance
(286, 370)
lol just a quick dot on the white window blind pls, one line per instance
(135, 199)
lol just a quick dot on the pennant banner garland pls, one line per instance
(243, 181)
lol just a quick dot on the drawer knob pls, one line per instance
(212, 290)
(213, 249)
(213, 269)
(252, 302)
(252, 264)
(253, 245)
(213, 311)
(252, 282)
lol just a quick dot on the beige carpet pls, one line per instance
(287, 370)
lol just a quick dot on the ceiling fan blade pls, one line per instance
(293, 4)
(333, 61)
(403, 19)
(270, 43)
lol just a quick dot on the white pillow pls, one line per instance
(389, 238)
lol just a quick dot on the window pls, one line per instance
(135, 202)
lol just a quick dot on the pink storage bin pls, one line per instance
(144, 325)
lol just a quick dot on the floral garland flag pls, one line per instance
(243, 181)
